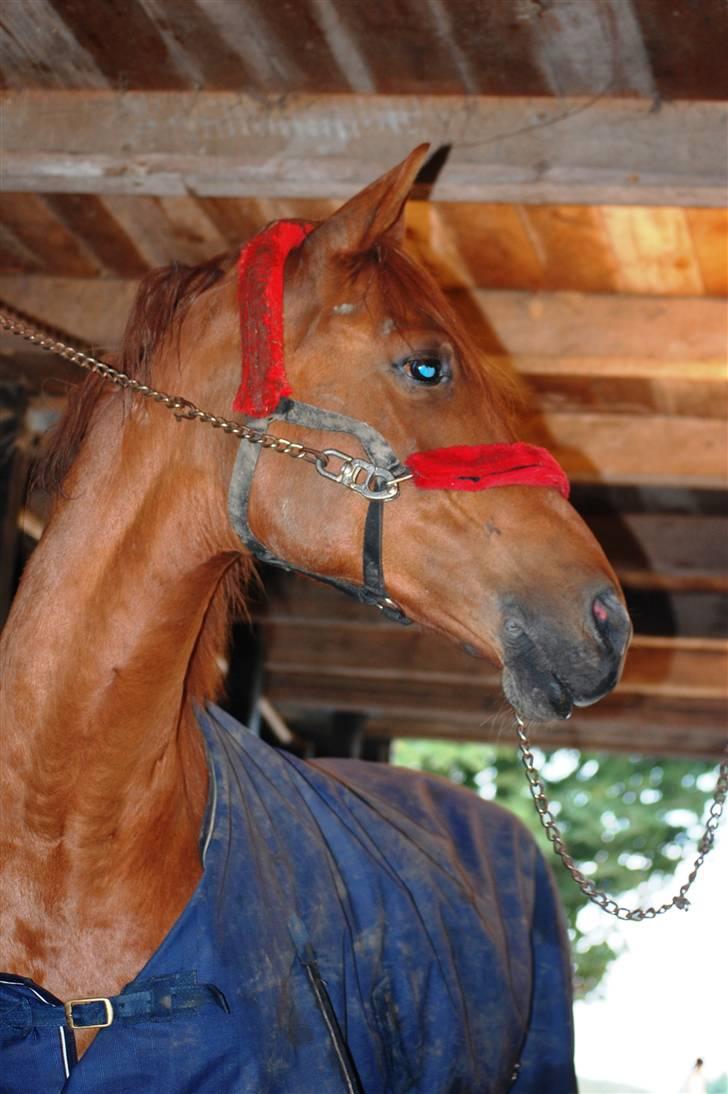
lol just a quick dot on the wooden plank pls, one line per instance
(624, 448)
(89, 218)
(635, 395)
(443, 47)
(544, 332)
(123, 41)
(33, 223)
(613, 151)
(633, 723)
(709, 231)
(279, 47)
(468, 244)
(650, 727)
(669, 550)
(201, 53)
(578, 325)
(94, 311)
(237, 219)
(162, 227)
(541, 370)
(653, 250)
(573, 246)
(687, 44)
(37, 49)
(15, 256)
(593, 249)
(590, 48)
(688, 668)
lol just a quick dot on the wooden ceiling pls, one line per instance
(577, 218)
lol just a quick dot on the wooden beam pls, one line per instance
(622, 448)
(675, 668)
(572, 150)
(559, 332)
(651, 727)
(582, 325)
(582, 46)
(647, 726)
(596, 441)
(665, 550)
(673, 697)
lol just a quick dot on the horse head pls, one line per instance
(510, 573)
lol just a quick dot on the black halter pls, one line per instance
(372, 590)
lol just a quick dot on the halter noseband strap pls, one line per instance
(372, 590)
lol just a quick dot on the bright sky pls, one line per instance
(665, 999)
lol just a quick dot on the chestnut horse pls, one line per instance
(114, 642)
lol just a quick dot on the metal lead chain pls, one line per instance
(587, 886)
(16, 323)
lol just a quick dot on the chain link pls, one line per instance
(587, 886)
(14, 322)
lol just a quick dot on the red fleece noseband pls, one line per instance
(480, 466)
(260, 300)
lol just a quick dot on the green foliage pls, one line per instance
(624, 818)
(718, 1086)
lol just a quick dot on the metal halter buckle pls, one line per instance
(359, 475)
(108, 1013)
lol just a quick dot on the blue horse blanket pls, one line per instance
(356, 928)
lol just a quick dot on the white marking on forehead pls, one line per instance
(343, 309)
(388, 326)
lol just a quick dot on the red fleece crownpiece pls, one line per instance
(260, 300)
(478, 467)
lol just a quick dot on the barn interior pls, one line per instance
(574, 210)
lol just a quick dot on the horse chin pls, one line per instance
(542, 696)
(537, 701)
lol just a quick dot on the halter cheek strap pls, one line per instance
(372, 591)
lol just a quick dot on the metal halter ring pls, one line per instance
(361, 476)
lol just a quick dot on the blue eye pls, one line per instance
(424, 370)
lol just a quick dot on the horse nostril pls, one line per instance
(611, 620)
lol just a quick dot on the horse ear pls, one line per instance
(374, 215)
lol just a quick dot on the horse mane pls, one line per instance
(162, 300)
(160, 304)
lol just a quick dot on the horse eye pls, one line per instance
(424, 370)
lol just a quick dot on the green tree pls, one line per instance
(624, 818)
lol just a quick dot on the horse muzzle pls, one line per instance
(548, 668)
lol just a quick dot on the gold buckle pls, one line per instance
(108, 1009)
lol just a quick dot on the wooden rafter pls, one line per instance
(579, 150)
(326, 654)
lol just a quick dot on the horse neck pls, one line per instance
(110, 642)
